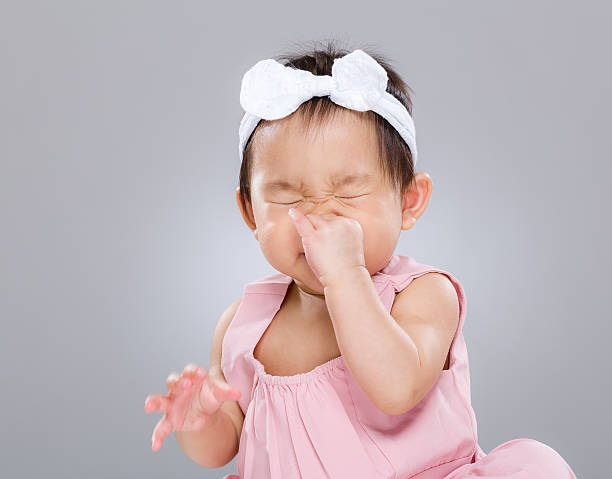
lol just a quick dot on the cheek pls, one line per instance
(379, 224)
(275, 228)
(373, 212)
(279, 241)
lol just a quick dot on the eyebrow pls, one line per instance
(338, 180)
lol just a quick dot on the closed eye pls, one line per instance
(340, 197)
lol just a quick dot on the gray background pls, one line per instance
(122, 244)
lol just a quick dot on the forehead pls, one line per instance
(343, 145)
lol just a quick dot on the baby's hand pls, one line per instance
(333, 244)
(192, 399)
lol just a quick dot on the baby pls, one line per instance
(349, 362)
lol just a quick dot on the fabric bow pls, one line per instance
(271, 91)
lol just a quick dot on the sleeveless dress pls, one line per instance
(320, 424)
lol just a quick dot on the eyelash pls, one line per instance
(341, 197)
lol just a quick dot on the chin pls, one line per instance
(308, 280)
(310, 287)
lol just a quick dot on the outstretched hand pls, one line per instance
(192, 399)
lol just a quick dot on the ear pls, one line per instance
(247, 215)
(415, 199)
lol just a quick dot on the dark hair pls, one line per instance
(395, 156)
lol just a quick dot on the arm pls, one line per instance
(217, 443)
(212, 446)
(394, 356)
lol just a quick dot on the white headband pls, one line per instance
(271, 91)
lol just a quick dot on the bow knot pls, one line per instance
(271, 91)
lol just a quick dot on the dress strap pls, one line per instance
(260, 301)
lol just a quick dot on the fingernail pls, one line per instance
(291, 212)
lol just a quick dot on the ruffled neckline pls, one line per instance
(299, 378)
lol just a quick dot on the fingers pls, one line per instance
(233, 394)
(301, 222)
(194, 372)
(157, 403)
(317, 220)
(171, 380)
(161, 432)
(177, 384)
(225, 392)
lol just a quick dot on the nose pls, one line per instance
(320, 205)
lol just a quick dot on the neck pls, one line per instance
(308, 301)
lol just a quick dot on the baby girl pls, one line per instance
(350, 361)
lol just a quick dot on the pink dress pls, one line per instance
(320, 424)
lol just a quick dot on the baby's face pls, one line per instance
(291, 170)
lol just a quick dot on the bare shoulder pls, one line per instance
(231, 408)
(431, 296)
